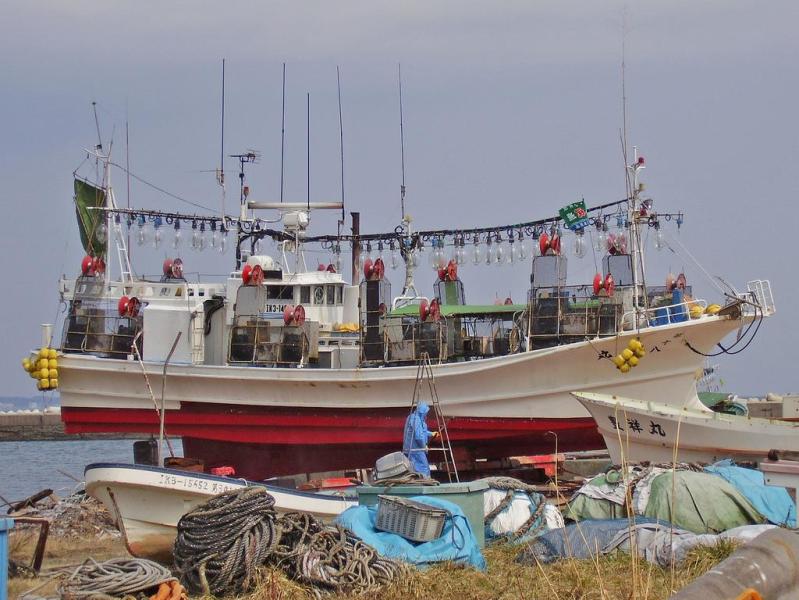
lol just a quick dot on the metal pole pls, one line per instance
(163, 411)
(356, 248)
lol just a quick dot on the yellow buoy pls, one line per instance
(625, 368)
(45, 383)
(626, 353)
(53, 384)
(640, 353)
(53, 373)
(713, 309)
(618, 360)
(44, 373)
(44, 353)
(633, 344)
(42, 363)
(35, 374)
(696, 311)
(52, 354)
(633, 361)
(52, 363)
(26, 364)
(39, 385)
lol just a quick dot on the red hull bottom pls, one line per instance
(261, 442)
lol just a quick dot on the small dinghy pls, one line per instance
(649, 431)
(147, 502)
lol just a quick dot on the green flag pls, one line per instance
(86, 196)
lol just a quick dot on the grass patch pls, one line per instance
(611, 577)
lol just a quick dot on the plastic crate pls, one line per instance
(412, 520)
(391, 465)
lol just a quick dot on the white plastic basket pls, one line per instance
(412, 520)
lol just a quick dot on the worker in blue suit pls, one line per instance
(415, 437)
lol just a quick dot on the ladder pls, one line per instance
(424, 375)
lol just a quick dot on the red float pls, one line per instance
(246, 274)
(597, 283)
(424, 310)
(543, 244)
(554, 243)
(98, 266)
(177, 268)
(257, 275)
(134, 304)
(86, 265)
(299, 314)
(378, 269)
(367, 268)
(330, 268)
(167, 267)
(610, 284)
(122, 306)
(434, 312)
(288, 314)
(452, 271)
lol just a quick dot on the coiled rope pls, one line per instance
(221, 544)
(113, 578)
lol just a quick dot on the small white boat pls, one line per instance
(638, 431)
(147, 502)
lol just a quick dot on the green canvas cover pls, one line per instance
(86, 196)
(703, 503)
(583, 507)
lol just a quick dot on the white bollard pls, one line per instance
(47, 335)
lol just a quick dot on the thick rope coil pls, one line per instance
(113, 578)
(221, 543)
(511, 486)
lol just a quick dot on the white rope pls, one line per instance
(695, 261)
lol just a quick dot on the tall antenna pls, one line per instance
(283, 132)
(624, 104)
(402, 142)
(97, 125)
(220, 177)
(308, 147)
(127, 172)
(340, 141)
(222, 141)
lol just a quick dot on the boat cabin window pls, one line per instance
(305, 294)
(331, 294)
(318, 294)
(280, 292)
(620, 266)
(339, 294)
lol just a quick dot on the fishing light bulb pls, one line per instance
(117, 229)
(579, 244)
(141, 230)
(415, 257)
(499, 252)
(337, 259)
(432, 258)
(394, 262)
(660, 241)
(601, 240)
(101, 233)
(460, 253)
(489, 252)
(158, 235)
(621, 242)
(361, 256)
(195, 236)
(214, 235)
(380, 251)
(177, 238)
(202, 242)
(536, 249)
(521, 248)
(222, 245)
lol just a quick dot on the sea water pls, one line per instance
(29, 467)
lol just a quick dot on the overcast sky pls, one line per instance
(512, 110)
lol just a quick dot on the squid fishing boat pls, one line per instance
(280, 368)
(147, 502)
(636, 430)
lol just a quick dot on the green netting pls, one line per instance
(86, 196)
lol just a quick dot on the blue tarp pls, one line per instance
(772, 502)
(456, 543)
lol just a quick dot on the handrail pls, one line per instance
(656, 312)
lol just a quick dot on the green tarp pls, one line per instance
(86, 196)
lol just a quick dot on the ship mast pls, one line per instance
(633, 213)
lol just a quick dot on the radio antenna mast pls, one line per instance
(340, 142)
(282, 132)
(220, 178)
(308, 148)
(402, 142)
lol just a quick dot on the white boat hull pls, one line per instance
(147, 502)
(636, 431)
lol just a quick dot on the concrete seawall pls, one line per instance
(20, 427)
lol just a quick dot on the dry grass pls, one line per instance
(58, 552)
(608, 578)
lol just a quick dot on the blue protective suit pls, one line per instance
(415, 437)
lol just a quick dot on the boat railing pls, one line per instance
(258, 342)
(94, 331)
(572, 312)
(759, 293)
(667, 314)
(406, 339)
